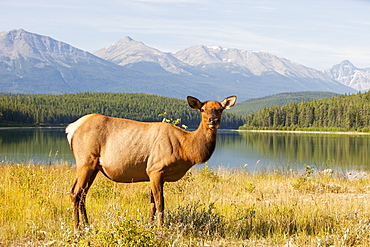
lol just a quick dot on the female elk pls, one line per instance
(128, 151)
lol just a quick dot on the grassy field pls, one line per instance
(205, 208)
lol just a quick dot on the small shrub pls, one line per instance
(197, 220)
(126, 233)
(207, 173)
(242, 228)
(307, 183)
(249, 187)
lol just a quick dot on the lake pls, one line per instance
(251, 151)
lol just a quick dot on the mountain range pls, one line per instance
(347, 74)
(32, 63)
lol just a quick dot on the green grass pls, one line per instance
(218, 208)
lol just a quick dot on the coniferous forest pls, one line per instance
(343, 113)
(60, 110)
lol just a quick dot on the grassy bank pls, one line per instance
(218, 208)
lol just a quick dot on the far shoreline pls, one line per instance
(307, 132)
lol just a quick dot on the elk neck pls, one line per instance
(201, 143)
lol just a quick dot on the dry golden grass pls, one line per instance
(217, 208)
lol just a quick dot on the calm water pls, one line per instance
(247, 150)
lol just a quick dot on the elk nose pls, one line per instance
(214, 120)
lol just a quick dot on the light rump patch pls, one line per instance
(72, 127)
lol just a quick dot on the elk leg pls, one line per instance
(152, 208)
(83, 199)
(156, 182)
(76, 201)
(85, 178)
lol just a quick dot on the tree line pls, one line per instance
(60, 110)
(253, 105)
(345, 113)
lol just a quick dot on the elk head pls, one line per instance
(211, 110)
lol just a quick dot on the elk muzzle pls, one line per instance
(213, 122)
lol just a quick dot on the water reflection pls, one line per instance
(45, 145)
(272, 151)
(245, 150)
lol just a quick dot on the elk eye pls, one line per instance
(201, 110)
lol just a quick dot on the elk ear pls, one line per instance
(228, 102)
(194, 103)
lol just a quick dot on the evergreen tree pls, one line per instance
(345, 112)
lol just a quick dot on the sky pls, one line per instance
(315, 33)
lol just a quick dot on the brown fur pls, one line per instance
(129, 151)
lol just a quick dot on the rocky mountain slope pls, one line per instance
(257, 73)
(256, 63)
(128, 51)
(347, 74)
(32, 63)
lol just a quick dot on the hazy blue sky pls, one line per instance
(315, 33)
